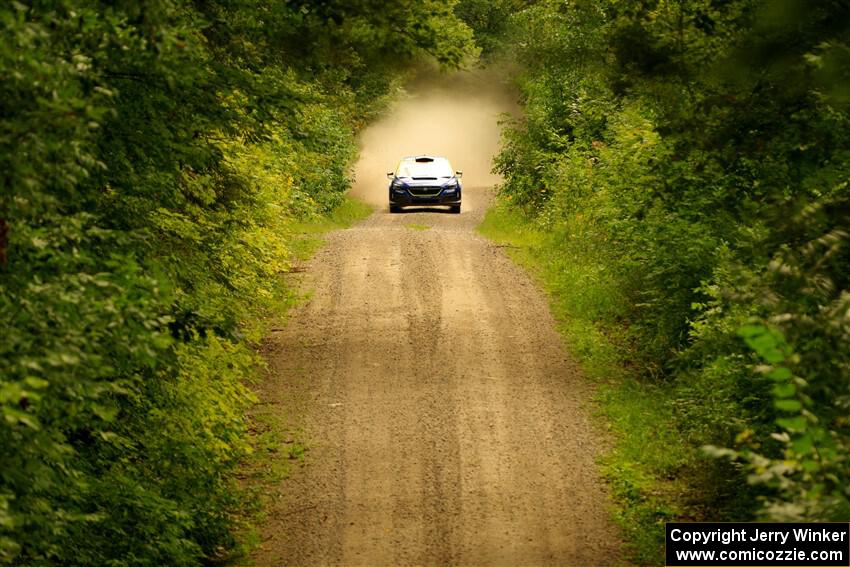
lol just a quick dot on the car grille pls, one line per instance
(425, 191)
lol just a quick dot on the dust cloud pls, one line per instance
(454, 115)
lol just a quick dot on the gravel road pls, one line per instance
(444, 420)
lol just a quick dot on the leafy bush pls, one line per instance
(690, 161)
(154, 156)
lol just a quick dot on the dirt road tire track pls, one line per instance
(446, 423)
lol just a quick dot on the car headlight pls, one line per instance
(451, 188)
(398, 185)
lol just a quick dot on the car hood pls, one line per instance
(426, 181)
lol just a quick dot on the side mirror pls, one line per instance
(390, 175)
(458, 174)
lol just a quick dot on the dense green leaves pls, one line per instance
(154, 155)
(691, 158)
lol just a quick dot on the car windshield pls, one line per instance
(419, 167)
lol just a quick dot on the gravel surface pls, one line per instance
(444, 420)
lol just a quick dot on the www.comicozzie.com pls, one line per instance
(758, 544)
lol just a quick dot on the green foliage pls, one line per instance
(801, 366)
(689, 161)
(489, 21)
(156, 160)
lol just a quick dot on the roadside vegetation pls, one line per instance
(679, 182)
(161, 162)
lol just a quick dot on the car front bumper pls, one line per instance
(406, 197)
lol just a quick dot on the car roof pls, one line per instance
(424, 159)
(412, 166)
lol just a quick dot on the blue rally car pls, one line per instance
(424, 180)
